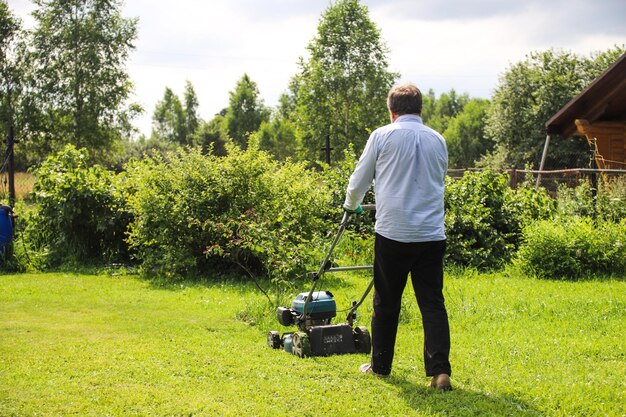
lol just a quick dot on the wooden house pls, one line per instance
(599, 114)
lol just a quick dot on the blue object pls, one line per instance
(322, 304)
(6, 226)
(288, 342)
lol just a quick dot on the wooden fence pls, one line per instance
(552, 179)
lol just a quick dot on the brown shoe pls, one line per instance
(366, 368)
(441, 382)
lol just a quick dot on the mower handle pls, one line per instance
(347, 214)
(324, 266)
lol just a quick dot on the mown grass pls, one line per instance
(100, 345)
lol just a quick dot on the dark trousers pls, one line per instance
(393, 261)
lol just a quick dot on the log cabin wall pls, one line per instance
(610, 142)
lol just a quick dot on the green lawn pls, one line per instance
(119, 345)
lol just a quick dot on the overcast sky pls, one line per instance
(438, 44)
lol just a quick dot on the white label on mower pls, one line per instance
(335, 338)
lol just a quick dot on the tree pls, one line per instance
(461, 120)
(174, 120)
(192, 120)
(528, 94)
(212, 135)
(9, 68)
(278, 137)
(245, 111)
(465, 135)
(429, 100)
(78, 84)
(341, 89)
(168, 120)
(437, 113)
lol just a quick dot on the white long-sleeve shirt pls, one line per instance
(408, 162)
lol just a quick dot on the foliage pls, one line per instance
(212, 136)
(168, 119)
(336, 176)
(532, 203)
(10, 28)
(340, 90)
(528, 94)
(484, 218)
(355, 248)
(278, 137)
(17, 256)
(465, 135)
(194, 213)
(140, 148)
(577, 201)
(461, 121)
(77, 85)
(439, 112)
(245, 111)
(607, 203)
(573, 248)
(586, 238)
(80, 214)
(191, 103)
(175, 120)
(611, 199)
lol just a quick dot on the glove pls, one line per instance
(357, 210)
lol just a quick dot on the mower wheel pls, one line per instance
(362, 339)
(301, 344)
(273, 339)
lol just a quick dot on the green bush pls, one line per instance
(586, 238)
(573, 248)
(608, 203)
(484, 218)
(80, 214)
(611, 199)
(575, 201)
(532, 204)
(196, 213)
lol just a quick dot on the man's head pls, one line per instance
(404, 99)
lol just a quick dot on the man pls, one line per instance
(408, 162)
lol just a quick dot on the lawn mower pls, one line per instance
(313, 311)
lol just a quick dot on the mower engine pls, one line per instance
(316, 336)
(319, 311)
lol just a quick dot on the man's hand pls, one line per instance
(357, 210)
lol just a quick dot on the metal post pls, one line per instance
(543, 160)
(594, 177)
(11, 166)
(327, 149)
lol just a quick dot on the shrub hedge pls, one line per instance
(485, 218)
(586, 238)
(196, 213)
(607, 203)
(189, 214)
(573, 248)
(80, 213)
